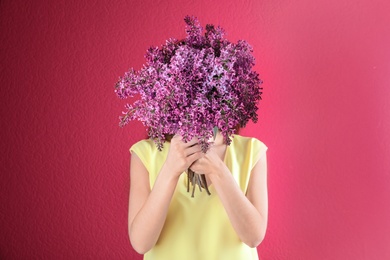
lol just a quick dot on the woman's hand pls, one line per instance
(181, 154)
(209, 164)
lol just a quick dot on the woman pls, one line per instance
(165, 222)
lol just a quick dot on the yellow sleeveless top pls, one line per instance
(198, 228)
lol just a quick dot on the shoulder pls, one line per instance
(250, 145)
(144, 149)
(245, 142)
(145, 145)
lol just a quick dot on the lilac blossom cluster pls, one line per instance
(191, 86)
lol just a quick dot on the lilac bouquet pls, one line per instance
(192, 86)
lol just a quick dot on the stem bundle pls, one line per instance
(196, 179)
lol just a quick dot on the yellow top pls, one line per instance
(199, 228)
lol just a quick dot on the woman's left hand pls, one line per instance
(209, 164)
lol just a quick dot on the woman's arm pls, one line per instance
(248, 214)
(148, 208)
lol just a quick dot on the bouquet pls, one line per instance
(192, 87)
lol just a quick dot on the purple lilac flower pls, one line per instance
(188, 87)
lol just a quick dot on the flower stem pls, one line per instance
(205, 185)
(196, 179)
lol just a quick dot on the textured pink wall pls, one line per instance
(325, 117)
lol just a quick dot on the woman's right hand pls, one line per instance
(181, 155)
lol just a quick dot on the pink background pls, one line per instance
(325, 118)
